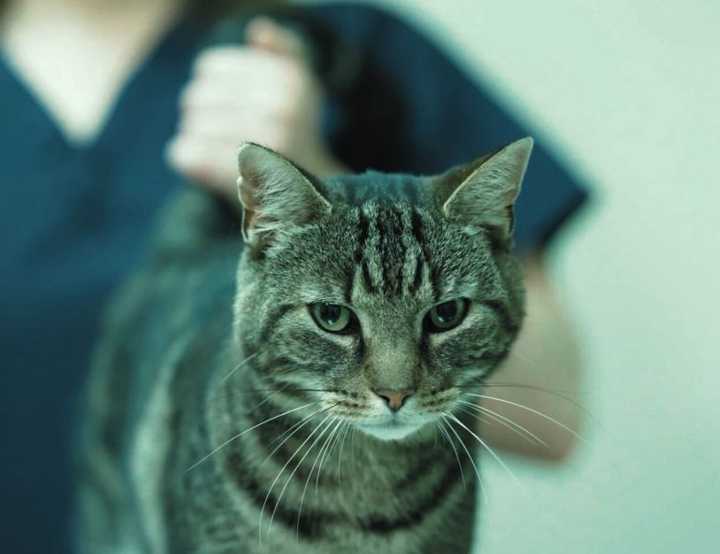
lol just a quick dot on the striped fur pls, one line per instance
(200, 351)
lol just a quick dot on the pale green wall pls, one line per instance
(630, 92)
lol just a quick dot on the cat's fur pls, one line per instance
(200, 350)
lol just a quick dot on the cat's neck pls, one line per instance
(310, 474)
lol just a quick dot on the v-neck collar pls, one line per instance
(168, 50)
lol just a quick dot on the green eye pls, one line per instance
(447, 315)
(333, 318)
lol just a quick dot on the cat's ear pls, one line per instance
(275, 194)
(483, 192)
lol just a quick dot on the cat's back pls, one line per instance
(180, 299)
(175, 309)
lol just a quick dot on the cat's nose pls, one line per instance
(394, 398)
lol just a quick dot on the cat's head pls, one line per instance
(384, 299)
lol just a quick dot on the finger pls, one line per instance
(265, 34)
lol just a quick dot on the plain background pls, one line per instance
(628, 94)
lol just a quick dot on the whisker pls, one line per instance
(552, 392)
(445, 416)
(266, 399)
(292, 473)
(237, 367)
(345, 432)
(534, 411)
(294, 429)
(353, 431)
(288, 433)
(309, 477)
(441, 427)
(285, 385)
(327, 449)
(241, 433)
(507, 422)
(297, 428)
(318, 459)
(476, 416)
(267, 496)
(487, 447)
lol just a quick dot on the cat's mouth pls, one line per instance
(389, 428)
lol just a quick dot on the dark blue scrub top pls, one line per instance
(74, 220)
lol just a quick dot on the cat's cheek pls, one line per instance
(443, 348)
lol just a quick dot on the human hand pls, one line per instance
(263, 92)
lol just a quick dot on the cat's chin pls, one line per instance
(390, 431)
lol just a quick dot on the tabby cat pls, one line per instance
(308, 397)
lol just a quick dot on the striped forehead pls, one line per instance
(391, 256)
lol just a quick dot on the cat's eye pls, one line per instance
(333, 318)
(446, 316)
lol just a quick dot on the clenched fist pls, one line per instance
(263, 92)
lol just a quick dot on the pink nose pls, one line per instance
(394, 398)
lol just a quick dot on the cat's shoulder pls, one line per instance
(194, 219)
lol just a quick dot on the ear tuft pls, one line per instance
(275, 194)
(483, 193)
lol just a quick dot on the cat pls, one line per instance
(287, 375)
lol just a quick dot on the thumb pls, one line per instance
(266, 34)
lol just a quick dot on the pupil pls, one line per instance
(331, 313)
(447, 312)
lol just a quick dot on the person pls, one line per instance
(108, 107)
